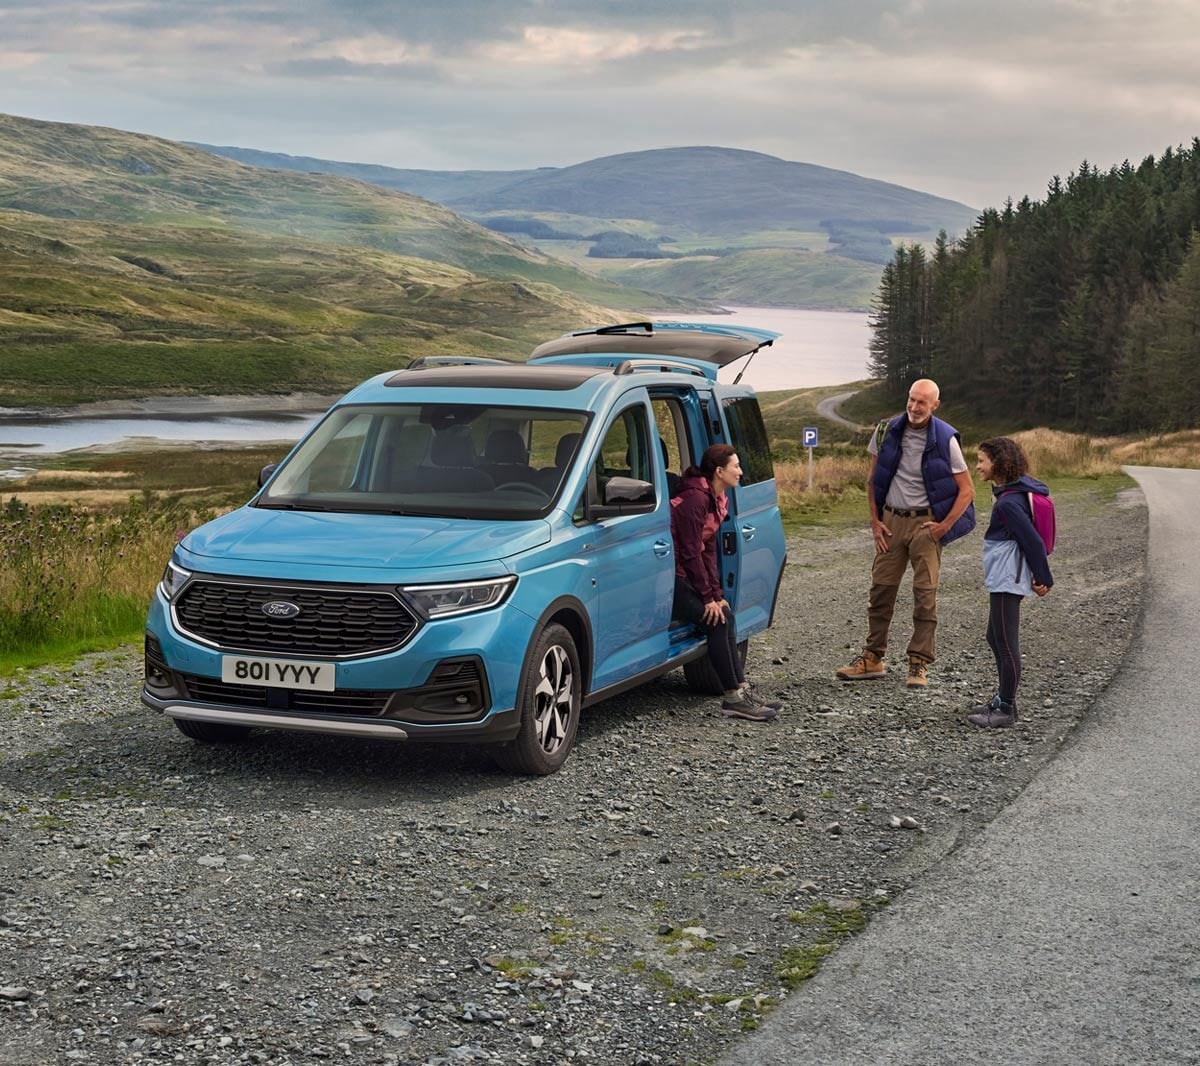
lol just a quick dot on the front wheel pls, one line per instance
(549, 702)
(211, 732)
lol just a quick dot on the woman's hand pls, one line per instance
(714, 612)
(1041, 590)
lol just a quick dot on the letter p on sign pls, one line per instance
(810, 437)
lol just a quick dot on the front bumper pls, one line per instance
(451, 705)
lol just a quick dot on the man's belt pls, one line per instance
(919, 512)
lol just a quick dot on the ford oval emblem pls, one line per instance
(280, 609)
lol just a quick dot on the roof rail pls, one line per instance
(425, 361)
(667, 366)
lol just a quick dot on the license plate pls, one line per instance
(277, 673)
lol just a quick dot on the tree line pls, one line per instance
(1080, 311)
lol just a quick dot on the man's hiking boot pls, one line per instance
(740, 705)
(994, 715)
(867, 665)
(750, 692)
(917, 673)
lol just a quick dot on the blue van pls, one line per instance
(470, 550)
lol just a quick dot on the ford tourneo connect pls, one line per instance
(471, 550)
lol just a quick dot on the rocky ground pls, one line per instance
(299, 899)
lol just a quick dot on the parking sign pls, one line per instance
(810, 436)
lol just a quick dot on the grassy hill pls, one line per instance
(765, 277)
(91, 173)
(100, 310)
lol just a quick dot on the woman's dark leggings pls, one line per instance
(1004, 637)
(722, 638)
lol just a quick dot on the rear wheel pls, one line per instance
(701, 677)
(211, 732)
(549, 701)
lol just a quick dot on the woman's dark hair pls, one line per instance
(715, 457)
(1009, 460)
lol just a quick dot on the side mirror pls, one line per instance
(624, 496)
(264, 475)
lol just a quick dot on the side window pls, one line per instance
(749, 436)
(626, 449)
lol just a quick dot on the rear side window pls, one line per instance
(749, 436)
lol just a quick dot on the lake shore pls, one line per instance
(174, 406)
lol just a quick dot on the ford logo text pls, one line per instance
(280, 609)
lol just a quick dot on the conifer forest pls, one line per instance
(1080, 311)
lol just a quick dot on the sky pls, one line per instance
(975, 101)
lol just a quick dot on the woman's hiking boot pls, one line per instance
(867, 665)
(740, 705)
(750, 691)
(994, 715)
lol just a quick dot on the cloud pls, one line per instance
(959, 97)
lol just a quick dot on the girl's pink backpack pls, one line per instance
(1044, 521)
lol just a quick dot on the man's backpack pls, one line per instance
(1044, 521)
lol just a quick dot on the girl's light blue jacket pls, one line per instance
(1013, 553)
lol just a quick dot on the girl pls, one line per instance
(1014, 564)
(697, 511)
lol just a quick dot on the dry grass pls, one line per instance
(832, 474)
(1181, 449)
(1053, 453)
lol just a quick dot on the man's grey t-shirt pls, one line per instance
(907, 490)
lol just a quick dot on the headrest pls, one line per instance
(567, 444)
(411, 443)
(505, 446)
(452, 449)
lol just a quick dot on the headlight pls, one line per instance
(442, 601)
(173, 579)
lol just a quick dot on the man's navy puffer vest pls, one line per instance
(940, 485)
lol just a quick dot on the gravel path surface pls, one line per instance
(300, 899)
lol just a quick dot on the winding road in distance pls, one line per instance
(827, 408)
(1066, 931)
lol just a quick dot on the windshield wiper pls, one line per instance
(279, 505)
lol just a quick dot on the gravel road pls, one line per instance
(299, 899)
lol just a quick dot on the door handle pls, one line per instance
(662, 548)
(748, 532)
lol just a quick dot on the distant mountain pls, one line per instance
(441, 186)
(700, 190)
(674, 208)
(723, 191)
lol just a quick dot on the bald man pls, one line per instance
(921, 497)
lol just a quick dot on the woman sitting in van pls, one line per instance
(697, 511)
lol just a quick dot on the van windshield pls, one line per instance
(452, 459)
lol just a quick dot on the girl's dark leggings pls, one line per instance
(1004, 637)
(722, 638)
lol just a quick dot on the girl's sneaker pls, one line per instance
(994, 715)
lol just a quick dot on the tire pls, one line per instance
(701, 677)
(549, 701)
(211, 732)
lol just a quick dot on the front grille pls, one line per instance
(359, 702)
(333, 621)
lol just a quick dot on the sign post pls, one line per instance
(810, 442)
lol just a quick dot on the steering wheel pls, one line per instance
(524, 486)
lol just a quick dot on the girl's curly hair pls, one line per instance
(1009, 460)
